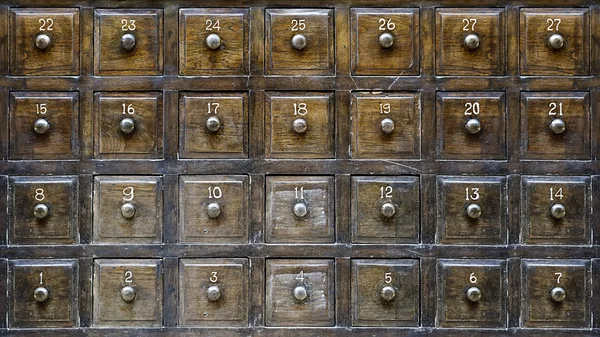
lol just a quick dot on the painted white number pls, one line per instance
(128, 109)
(213, 107)
(553, 107)
(215, 192)
(128, 193)
(39, 194)
(46, 24)
(559, 275)
(471, 108)
(298, 24)
(553, 24)
(388, 278)
(299, 192)
(300, 109)
(386, 192)
(213, 277)
(40, 108)
(386, 24)
(300, 276)
(41, 277)
(128, 277)
(472, 193)
(127, 24)
(467, 23)
(210, 25)
(385, 108)
(558, 194)
(472, 278)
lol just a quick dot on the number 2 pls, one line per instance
(467, 23)
(128, 277)
(46, 24)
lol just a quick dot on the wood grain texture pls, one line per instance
(59, 194)
(60, 110)
(61, 57)
(537, 223)
(454, 109)
(454, 58)
(367, 55)
(230, 58)
(197, 275)
(539, 310)
(145, 310)
(59, 277)
(146, 57)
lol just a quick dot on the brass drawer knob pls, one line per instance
(128, 210)
(213, 293)
(388, 210)
(127, 293)
(41, 126)
(40, 294)
(300, 293)
(213, 41)
(556, 41)
(42, 41)
(40, 211)
(300, 210)
(474, 294)
(558, 294)
(213, 124)
(213, 210)
(474, 211)
(386, 40)
(300, 125)
(127, 125)
(558, 211)
(472, 41)
(557, 126)
(387, 126)
(473, 126)
(128, 41)
(388, 293)
(299, 41)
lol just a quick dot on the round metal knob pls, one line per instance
(300, 210)
(472, 41)
(387, 126)
(213, 293)
(213, 210)
(473, 126)
(42, 41)
(40, 294)
(556, 41)
(213, 41)
(127, 125)
(41, 126)
(473, 294)
(128, 41)
(558, 294)
(40, 211)
(474, 211)
(299, 41)
(128, 210)
(386, 40)
(387, 210)
(387, 293)
(300, 293)
(213, 124)
(558, 126)
(300, 125)
(558, 211)
(127, 293)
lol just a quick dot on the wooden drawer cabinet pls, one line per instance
(266, 168)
